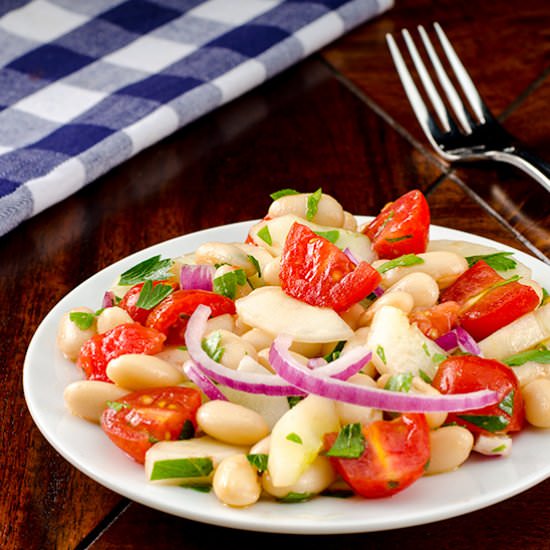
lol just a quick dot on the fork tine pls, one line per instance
(426, 121)
(452, 95)
(470, 91)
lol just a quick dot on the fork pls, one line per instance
(473, 134)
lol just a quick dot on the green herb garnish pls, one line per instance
(256, 264)
(293, 436)
(403, 261)
(333, 235)
(424, 375)
(283, 193)
(350, 442)
(265, 235)
(259, 461)
(187, 430)
(153, 269)
(212, 346)
(296, 497)
(200, 487)
(535, 355)
(313, 204)
(293, 400)
(398, 239)
(492, 423)
(82, 319)
(181, 467)
(227, 284)
(507, 404)
(401, 382)
(500, 261)
(335, 353)
(117, 405)
(498, 449)
(151, 295)
(381, 353)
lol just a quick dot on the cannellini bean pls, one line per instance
(262, 447)
(236, 482)
(220, 322)
(349, 413)
(175, 355)
(241, 290)
(444, 267)
(231, 423)
(234, 348)
(493, 445)
(138, 371)
(353, 316)
(313, 481)
(215, 253)
(398, 298)
(421, 286)
(111, 317)
(536, 395)
(88, 398)
(307, 349)
(329, 211)
(70, 338)
(270, 273)
(450, 447)
(350, 221)
(258, 338)
(530, 371)
(359, 338)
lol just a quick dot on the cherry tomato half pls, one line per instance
(129, 301)
(395, 456)
(317, 272)
(437, 320)
(96, 353)
(401, 227)
(138, 420)
(468, 373)
(171, 315)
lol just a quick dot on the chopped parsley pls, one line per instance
(283, 193)
(349, 443)
(181, 467)
(333, 235)
(151, 295)
(398, 239)
(438, 357)
(152, 269)
(293, 436)
(335, 353)
(265, 235)
(424, 375)
(492, 423)
(256, 264)
(296, 497)
(507, 404)
(187, 430)
(227, 284)
(313, 204)
(82, 319)
(500, 261)
(401, 382)
(212, 346)
(259, 461)
(498, 449)
(402, 261)
(293, 400)
(381, 353)
(535, 355)
(117, 405)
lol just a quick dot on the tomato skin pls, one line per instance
(317, 272)
(468, 373)
(96, 353)
(437, 320)
(171, 315)
(129, 301)
(395, 456)
(146, 416)
(401, 227)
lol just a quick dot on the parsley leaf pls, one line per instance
(398, 239)
(117, 405)
(335, 353)
(265, 235)
(381, 353)
(256, 264)
(283, 193)
(296, 497)
(349, 443)
(181, 467)
(258, 460)
(499, 260)
(536, 355)
(82, 319)
(492, 423)
(313, 204)
(150, 296)
(401, 382)
(333, 235)
(507, 404)
(227, 284)
(212, 346)
(293, 436)
(152, 269)
(402, 261)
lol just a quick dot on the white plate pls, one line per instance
(479, 483)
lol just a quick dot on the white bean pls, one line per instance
(236, 482)
(240, 290)
(215, 253)
(111, 317)
(350, 221)
(262, 447)
(318, 476)
(450, 447)
(349, 413)
(444, 267)
(258, 338)
(88, 398)
(329, 211)
(234, 348)
(220, 322)
(138, 371)
(231, 423)
(353, 315)
(175, 355)
(271, 272)
(536, 395)
(398, 298)
(70, 338)
(421, 286)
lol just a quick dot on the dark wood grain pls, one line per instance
(337, 121)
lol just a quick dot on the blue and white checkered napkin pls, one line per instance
(85, 85)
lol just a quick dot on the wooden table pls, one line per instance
(338, 120)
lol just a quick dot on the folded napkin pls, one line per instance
(86, 85)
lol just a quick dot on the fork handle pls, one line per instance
(531, 164)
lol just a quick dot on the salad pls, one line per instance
(315, 358)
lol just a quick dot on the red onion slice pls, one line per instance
(351, 256)
(459, 338)
(197, 277)
(203, 382)
(108, 299)
(268, 384)
(301, 377)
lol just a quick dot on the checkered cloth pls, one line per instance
(85, 85)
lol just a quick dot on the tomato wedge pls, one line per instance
(489, 302)
(437, 320)
(395, 456)
(401, 227)
(317, 272)
(129, 301)
(96, 353)
(140, 419)
(171, 315)
(468, 373)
